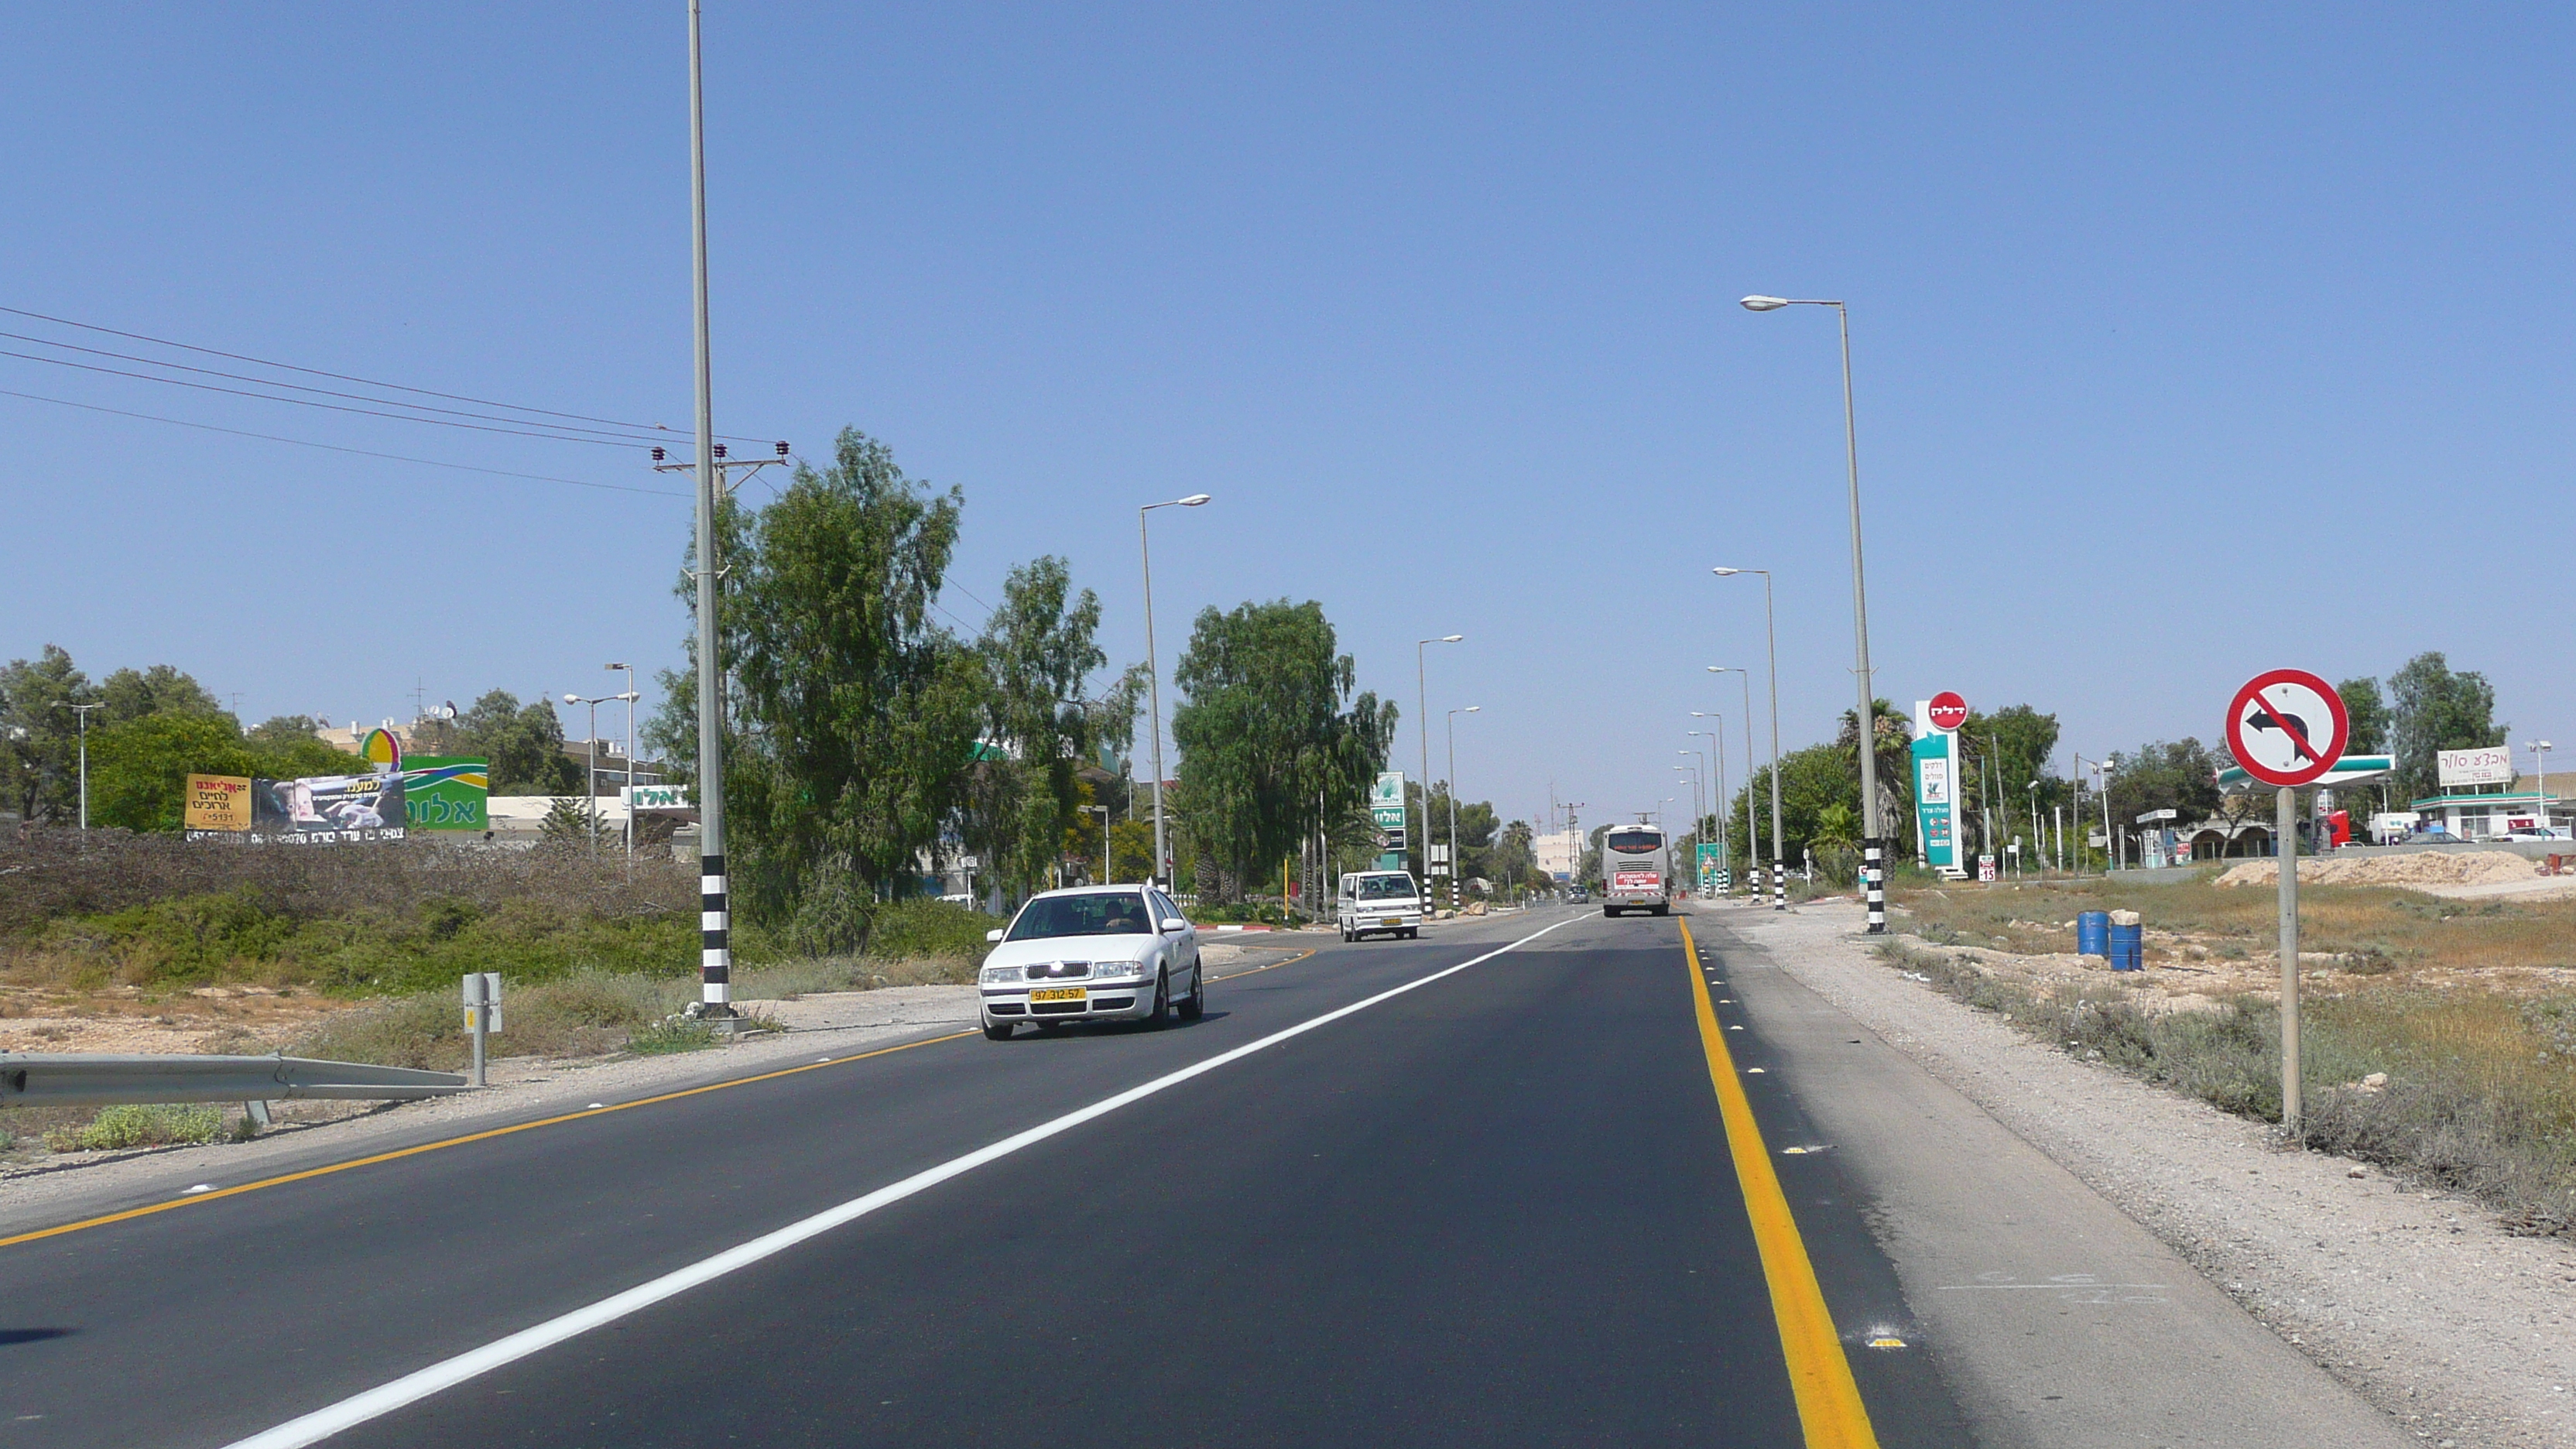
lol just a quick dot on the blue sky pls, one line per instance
(2188, 342)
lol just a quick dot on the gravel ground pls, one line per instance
(2416, 1299)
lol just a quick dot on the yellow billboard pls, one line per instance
(218, 802)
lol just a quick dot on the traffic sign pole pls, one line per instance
(2286, 827)
(2287, 727)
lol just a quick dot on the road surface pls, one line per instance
(1539, 1179)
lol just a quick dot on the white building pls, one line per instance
(1559, 853)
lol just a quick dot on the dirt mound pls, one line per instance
(2420, 869)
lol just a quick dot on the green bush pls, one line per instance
(140, 1126)
(914, 928)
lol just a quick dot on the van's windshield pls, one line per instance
(1387, 888)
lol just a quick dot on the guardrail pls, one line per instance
(97, 1079)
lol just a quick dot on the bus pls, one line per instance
(1636, 870)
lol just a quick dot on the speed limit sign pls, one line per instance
(2287, 727)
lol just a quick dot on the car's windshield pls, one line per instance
(1386, 887)
(1105, 914)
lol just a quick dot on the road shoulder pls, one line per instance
(2060, 1319)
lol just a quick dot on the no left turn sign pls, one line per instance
(2287, 727)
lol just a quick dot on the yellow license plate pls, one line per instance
(1392, 921)
(1058, 993)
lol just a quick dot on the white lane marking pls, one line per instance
(322, 1423)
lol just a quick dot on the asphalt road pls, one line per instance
(1497, 1207)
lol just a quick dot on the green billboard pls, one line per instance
(446, 792)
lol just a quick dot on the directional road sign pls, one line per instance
(2287, 727)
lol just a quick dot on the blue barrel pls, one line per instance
(2093, 933)
(2128, 948)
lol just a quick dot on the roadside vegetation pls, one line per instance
(2440, 1044)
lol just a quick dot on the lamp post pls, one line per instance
(1422, 713)
(1103, 812)
(1754, 846)
(1872, 848)
(1154, 685)
(2540, 753)
(1717, 795)
(1771, 638)
(1455, 894)
(590, 780)
(630, 696)
(1698, 787)
(81, 713)
(2038, 837)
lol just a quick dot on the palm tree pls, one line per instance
(1894, 741)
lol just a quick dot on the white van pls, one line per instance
(1380, 902)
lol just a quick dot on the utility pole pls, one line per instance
(715, 954)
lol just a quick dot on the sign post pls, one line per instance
(482, 1013)
(1936, 781)
(2287, 728)
(1387, 811)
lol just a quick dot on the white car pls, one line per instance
(1099, 953)
(1375, 902)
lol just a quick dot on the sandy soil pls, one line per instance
(2417, 1299)
(248, 1019)
(2438, 873)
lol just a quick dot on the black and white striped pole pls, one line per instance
(1866, 737)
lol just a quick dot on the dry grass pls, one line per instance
(2404, 928)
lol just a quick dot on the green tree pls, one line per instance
(2367, 713)
(2007, 752)
(139, 768)
(523, 743)
(130, 694)
(2432, 708)
(40, 735)
(285, 729)
(1894, 762)
(1514, 858)
(858, 713)
(1037, 652)
(1272, 743)
(2179, 775)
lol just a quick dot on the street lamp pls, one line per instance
(1753, 847)
(1699, 785)
(590, 783)
(1455, 896)
(1103, 812)
(1771, 635)
(1871, 847)
(2540, 751)
(1422, 714)
(2038, 839)
(81, 712)
(630, 697)
(1717, 791)
(1154, 683)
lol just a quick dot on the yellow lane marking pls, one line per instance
(329, 1168)
(1829, 1404)
(1273, 966)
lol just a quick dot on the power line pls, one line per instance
(336, 448)
(345, 377)
(300, 387)
(301, 402)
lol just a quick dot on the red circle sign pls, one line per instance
(1948, 710)
(2287, 727)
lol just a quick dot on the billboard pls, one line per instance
(2491, 765)
(1711, 877)
(1386, 812)
(318, 810)
(1935, 772)
(446, 792)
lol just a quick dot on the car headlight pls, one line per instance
(1118, 969)
(1000, 975)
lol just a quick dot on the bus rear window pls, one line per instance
(1635, 842)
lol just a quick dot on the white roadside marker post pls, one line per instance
(482, 1014)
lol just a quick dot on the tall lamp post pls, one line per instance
(81, 712)
(1873, 856)
(1753, 847)
(1422, 713)
(2540, 752)
(630, 696)
(1771, 637)
(1161, 872)
(590, 780)
(1717, 793)
(1103, 812)
(1456, 895)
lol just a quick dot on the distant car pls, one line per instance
(1379, 902)
(1578, 897)
(2553, 833)
(959, 899)
(1097, 953)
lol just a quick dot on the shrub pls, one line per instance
(139, 1126)
(917, 928)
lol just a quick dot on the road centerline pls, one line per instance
(321, 1424)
